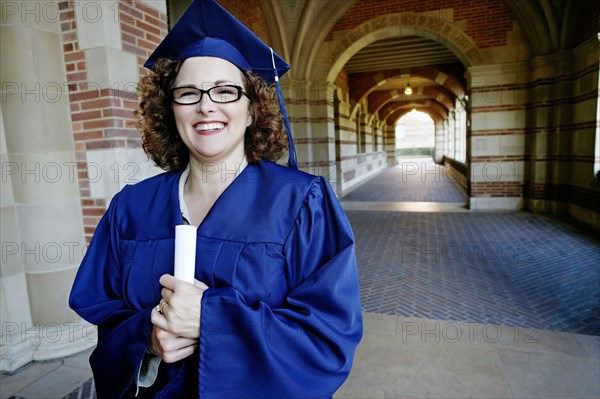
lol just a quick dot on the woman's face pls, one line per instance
(213, 132)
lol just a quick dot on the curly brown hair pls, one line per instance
(265, 138)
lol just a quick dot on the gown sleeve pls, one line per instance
(304, 348)
(123, 332)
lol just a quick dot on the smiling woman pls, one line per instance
(274, 309)
(265, 138)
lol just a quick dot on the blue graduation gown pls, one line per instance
(281, 317)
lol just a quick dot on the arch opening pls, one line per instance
(415, 135)
(372, 64)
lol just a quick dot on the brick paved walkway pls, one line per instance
(504, 268)
(86, 391)
(412, 180)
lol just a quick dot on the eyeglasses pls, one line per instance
(218, 94)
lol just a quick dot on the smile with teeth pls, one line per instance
(203, 127)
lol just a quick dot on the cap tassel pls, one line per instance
(292, 162)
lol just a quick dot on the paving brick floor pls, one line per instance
(412, 180)
(503, 268)
(86, 391)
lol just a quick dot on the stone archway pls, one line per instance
(345, 46)
(440, 30)
(365, 85)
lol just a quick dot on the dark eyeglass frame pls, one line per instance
(239, 89)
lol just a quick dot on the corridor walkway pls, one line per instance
(412, 180)
(465, 304)
(503, 268)
(457, 303)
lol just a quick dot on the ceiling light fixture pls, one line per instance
(408, 90)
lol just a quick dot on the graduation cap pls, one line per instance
(207, 29)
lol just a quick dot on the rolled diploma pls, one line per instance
(185, 252)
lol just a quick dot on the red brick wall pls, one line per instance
(142, 29)
(103, 117)
(487, 21)
(250, 13)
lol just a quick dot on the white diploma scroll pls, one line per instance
(185, 252)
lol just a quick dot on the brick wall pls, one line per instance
(250, 13)
(487, 21)
(103, 117)
(142, 29)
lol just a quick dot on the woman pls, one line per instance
(274, 311)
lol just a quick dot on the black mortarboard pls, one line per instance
(207, 29)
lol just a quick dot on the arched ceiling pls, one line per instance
(407, 51)
(379, 73)
(549, 26)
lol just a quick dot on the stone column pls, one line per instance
(390, 145)
(496, 138)
(345, 142)
(15, 311)
(451, 132)
(562, 127)
(539, 141)
(310, 108)
(439, 149)
(42, 230)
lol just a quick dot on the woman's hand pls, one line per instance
(177, 324)
(181, 313)
(169, 347)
